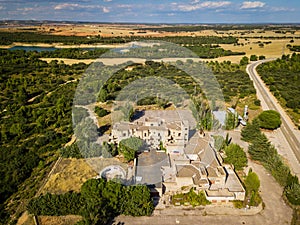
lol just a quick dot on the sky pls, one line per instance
(153, 11)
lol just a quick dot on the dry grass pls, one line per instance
(272, 50)
(59, 220)
(70, 174)
(69, 61)
(25, 219)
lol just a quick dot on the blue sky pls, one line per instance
(154, 11)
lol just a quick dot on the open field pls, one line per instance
(70, 174)
(59, 220)
(274, 39)
(113, 30)
(272, 50)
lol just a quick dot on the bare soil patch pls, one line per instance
(59, 220)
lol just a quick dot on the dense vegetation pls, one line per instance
(98, 202)
(269, 119)
(220, 27)
(129, 147)
(252, 185)
(7, 38)
(190, 198)
(283, 78)
(101, 112)
(260, 149)
(233, 80)
(36, 100)
(74, 53)
(236, 156)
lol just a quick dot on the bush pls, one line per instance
(238, 204)
(101, 112)
(252, 184)
(269, 119)
(236, 156)
(251, 131)
(293, 194)
(257, 102)
(128, 147)
(253, 58)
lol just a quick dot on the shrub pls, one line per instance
(269, 119)
(257, 102)
(236, 156)
(253, 58)
(129, 147)
(101, 112)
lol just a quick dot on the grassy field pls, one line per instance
(272, 50)
(70, 174)
(59, 220)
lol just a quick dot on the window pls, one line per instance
(179, 134)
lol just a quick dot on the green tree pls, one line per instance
(251, 131)
(269, 119)
(129, 147)
(253, 58)
(137, 201)
(101, 112)
(292, 192)
(236, 156)
(252, 184)
(244, 61)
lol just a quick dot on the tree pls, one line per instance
(292, 192)
(252, 184)
(251, 131)
(128, 147)
(244, 61)
(101, 112)
(218, 142)
(269, 119)
(260, 149)
(231, 121)
(137, 201)
(253, 58)
(236, 156)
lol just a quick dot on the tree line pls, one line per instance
(283, 78)
(98, 202)
(260, 149)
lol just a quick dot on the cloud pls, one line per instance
(282, 9)
(66, 6)
(2, 7)
(105, 9)
(252, 5)
(203, 5)
(107, 0)
(73, 6)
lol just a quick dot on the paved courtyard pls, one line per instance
(148, 170)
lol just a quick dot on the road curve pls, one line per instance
(287, 128)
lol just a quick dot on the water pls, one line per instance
(50, 49)
(33, 48)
